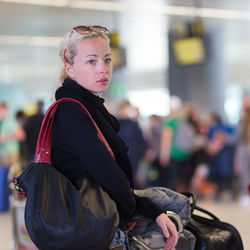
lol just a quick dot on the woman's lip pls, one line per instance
(103, 81)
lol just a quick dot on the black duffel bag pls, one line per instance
(211, 233)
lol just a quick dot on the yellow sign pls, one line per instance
(189, 51)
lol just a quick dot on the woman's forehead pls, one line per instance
(95, 45)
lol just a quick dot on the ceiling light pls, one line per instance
(38, 41)
(56, 3)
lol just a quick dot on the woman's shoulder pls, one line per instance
(70, 111)
(70, 107)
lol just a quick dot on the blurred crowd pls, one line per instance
(186, 151)
(189, 150)
(18, 137)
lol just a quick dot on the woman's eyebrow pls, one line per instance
(97, 55)
(91, 55)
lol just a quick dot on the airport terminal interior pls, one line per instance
(189, 58)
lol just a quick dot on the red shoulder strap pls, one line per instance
(43, 147)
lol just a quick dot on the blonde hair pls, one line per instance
(67, 50)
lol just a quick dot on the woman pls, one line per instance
(76, 148)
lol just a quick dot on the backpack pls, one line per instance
(184, 137)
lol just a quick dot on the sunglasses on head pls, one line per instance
(89, 29)
(86, 30)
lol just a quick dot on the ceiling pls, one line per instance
(30, 32)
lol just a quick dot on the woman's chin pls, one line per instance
(103, 88)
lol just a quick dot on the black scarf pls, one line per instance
(108, 124)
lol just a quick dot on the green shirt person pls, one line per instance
(10, 135)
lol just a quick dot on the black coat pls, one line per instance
(77, 150)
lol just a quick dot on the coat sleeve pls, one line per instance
(74, 131)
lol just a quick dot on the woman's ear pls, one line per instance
(69, 70)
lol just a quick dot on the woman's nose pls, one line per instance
(102, 68)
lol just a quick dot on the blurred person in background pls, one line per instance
(156, 173)
(10, 135)
(221, 147)
(177, 144)
(201, 157)
(87, 70)
(132, 135)
(21, 118)
(217, 127)
(243, 153)
(32, 129)
(188, 141)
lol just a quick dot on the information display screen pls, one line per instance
(189, 51)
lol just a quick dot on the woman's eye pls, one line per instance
(108, 60)
(91, 61)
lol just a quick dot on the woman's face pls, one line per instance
(92, 67)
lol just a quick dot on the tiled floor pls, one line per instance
(230, 212)
(5, 231)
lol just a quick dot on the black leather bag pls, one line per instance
(58, 216)
(211, 233)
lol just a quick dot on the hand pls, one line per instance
(164, 160)
(169, 231)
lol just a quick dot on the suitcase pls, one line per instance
(4, 190)
(211, 233)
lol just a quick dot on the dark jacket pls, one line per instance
(132, 134)
(32, 129)
(78, 152)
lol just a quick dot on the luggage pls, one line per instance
(4, 190)
(201, 232)
(212, 233)
(147, 235)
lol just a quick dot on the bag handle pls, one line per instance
(194, 207)
(44, 142)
